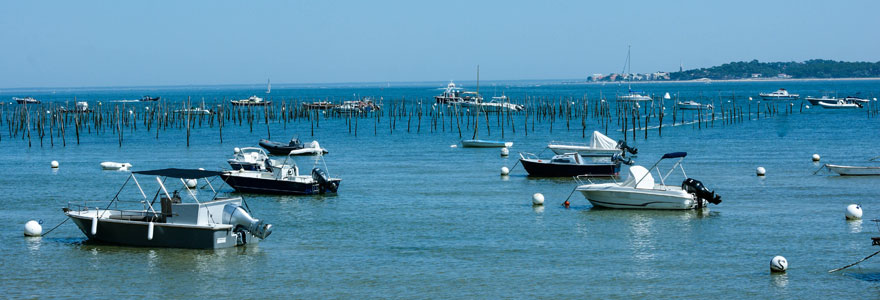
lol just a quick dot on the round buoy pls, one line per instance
(816, 157)
(761, 171)
(566, 204)
(807, 106)
(505, 171)
(191, 183)
(201, 169)
(778, 264)
(538, 199)
(54, 164)
(32, 228)
(453, 146)
(504, 151)
(236, 150)
(854, 212)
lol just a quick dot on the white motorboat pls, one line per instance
(639, 190)
(853, 170)
(634, 96)
(26, 100)
(840, 104)
(250, 101)
(599, 146)
(283, 179)
(250, 159)
(780, 94)
(474, 143)
(109, 165)
(179, 220)
(824, 98)
(693, 105)
(194, 111)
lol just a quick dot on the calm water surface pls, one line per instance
(417, 218)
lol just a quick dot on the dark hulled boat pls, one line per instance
(567, 165)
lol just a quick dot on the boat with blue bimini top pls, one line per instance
(639, 190)
(283, 178)
(170, 219)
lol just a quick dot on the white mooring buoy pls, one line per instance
(236, 150)
(778, 264)
(191, 183)
(504, 151)
(853, 212)
(761, 171)
(54, 164)
(816, 157)
(538, 199)
(505, 171)
(33, 228)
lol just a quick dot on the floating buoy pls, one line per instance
(854, 212)
(504, 171)
(95, 223)
(453, 146)
(761, 171)
(54, 164)
(816, 157)
(566, 203)
(538, 199)
(150, 231)
(778, 264)
(201, 169)
(236, 150)
(504, 151)
(807, 106)
(33, 228)
(191, 183)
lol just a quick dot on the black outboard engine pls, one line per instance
(621, 144)
(294, 142)
(324, 181)
(622, 159)
(696, 187)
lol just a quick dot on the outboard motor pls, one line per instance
(324, 181)
(621, 144)
(696, 187)
(235, 215)
(622, 159)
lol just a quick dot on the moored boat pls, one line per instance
(780, 94)
(148, 98)
(283, 179)
(824, 98)
(295, 144)
(249, 159)
(474, 143)
(26, 100)
(693, 105)
(639, 190)
(853, 170)
(600, 145)
(178, 220)
(568, 165)
(250, 101)
(840, 104)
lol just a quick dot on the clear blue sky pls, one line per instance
(135, 43)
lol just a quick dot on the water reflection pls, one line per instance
(855, 226)
(33, 243)
(779, 280)
(538, 208)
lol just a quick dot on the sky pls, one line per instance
(149, 43)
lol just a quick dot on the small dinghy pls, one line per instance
(109, 165)
(570, 164)
(191, 218)
(853, 170)
(485, 144)
(639, 191)
(283, 179)
(295, 144)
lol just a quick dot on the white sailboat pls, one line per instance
(268, 86)
(632, 96)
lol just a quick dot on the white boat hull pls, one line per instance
(853, 170)
(485, 144)
(838, 105)
(612, 196)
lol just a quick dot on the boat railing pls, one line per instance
(588, 179)
(528, 155)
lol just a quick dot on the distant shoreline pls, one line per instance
(735, 80)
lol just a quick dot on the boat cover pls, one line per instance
(600, 141)
(180, 173)
(636, 173)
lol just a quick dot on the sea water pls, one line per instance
(418, 217)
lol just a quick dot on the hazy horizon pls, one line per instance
(120, 44)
